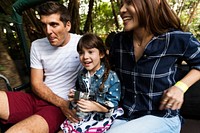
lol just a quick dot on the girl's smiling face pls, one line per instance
(91, 59)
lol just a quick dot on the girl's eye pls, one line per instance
(80, 52)
(90, 52)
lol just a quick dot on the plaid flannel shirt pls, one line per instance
(143, 82)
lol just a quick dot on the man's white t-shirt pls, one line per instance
(60, 64)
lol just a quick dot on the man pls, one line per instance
(54, 67)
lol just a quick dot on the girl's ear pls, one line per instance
(102, 55)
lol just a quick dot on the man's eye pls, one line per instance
(54, 24)
(43, 25)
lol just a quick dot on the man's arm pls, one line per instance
(45, 93)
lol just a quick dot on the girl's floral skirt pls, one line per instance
(91, 125)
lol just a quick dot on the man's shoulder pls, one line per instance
(75, 36)
(40, 40)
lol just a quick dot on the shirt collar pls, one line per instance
(99, 73)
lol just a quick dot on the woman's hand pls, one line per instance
(172, 98)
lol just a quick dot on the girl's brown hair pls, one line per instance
(156, 16)
(89, 41)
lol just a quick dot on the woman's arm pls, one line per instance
(174, 96)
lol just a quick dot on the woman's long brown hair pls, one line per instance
(156, 16)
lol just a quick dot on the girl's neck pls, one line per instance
(92, 72)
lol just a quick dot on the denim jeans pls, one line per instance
(147, 124)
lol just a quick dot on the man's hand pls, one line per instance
(70, 114)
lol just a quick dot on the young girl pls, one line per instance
(97, 91)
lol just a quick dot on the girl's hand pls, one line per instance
(89, 106)
(71, 94)
(86, 105)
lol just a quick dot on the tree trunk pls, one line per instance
(118, 3)
(4, 4)
(88, 22)
(192, 12)
(114, 13)
(8, 68)
(73, 8)
(32, 25)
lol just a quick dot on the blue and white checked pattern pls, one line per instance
(143, 82)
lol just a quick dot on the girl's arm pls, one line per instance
(112, 97)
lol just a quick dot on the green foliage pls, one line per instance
(189, 13)
(102, 17)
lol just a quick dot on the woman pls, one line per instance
(146, 57)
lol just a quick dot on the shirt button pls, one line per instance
(145, 55)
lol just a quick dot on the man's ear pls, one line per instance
(68, 25)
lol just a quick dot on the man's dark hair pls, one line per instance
(52, 7)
